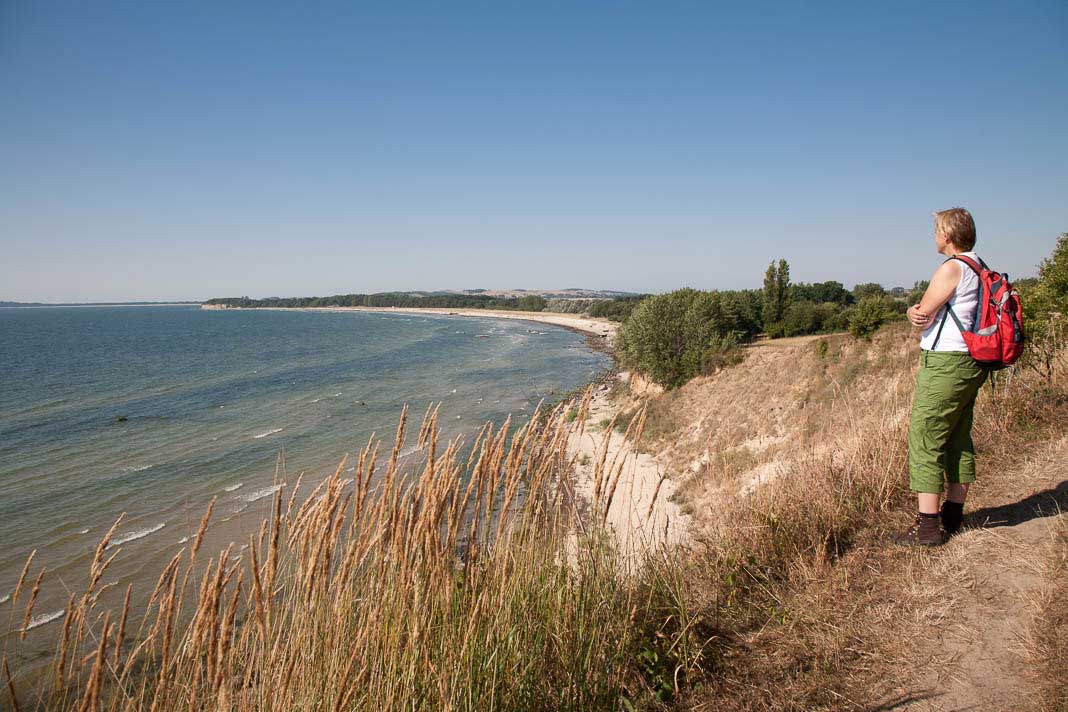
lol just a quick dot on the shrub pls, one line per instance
(667, 336)
(531, 302)
(801, 318)
(617, 309)
(916, 293)
(868, 290)
(1045, 305)
(725, 351)
(866, 318)
(820, 292)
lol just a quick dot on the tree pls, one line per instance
(801, 318)
(821, 292)
(531, 302)
(916, 293)
(1053, 277)
(776, 296)
(1045, 308)
(669, 336)
(866, 318)
(870, 289)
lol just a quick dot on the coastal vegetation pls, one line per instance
(476, 581)
(780, 309)
(673, 337)
(482, 580)
(531, 302)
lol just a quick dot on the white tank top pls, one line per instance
(964, 301)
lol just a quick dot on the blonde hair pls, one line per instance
(958, 227)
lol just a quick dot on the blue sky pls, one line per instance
(195, 149)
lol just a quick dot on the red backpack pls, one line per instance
(995, 339)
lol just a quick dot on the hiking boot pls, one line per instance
(925, 531)
(952, 517)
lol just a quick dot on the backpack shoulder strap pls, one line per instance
(977, 267)
(949, 309)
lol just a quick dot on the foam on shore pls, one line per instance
(136, 534)
(38, 621)
(259, 494)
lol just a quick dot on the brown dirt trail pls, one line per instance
(980, 595)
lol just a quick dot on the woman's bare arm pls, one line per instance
(943, 284)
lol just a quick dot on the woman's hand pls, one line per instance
(943, 285)
(919, 318)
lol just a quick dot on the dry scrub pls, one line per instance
(795, 464)
(477, 583)
(455, 587)
(1048, 637)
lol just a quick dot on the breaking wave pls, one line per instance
(259, 494)
(136, 534)
(38, 621)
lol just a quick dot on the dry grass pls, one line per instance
(458, 586)
(475, 583)
(1047, 639)
(799, 486)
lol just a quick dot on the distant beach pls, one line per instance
(576, 322)
(645, 511)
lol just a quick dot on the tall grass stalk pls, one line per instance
(457, 585)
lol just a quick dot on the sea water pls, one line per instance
(150, 412)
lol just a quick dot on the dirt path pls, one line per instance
(978, 597)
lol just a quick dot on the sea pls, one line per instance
(150, 412)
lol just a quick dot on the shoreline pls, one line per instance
(602, 328)
(643, 515)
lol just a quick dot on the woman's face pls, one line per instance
(940, 241)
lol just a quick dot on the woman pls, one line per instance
(941, 454)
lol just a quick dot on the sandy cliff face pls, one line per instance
(727, 434)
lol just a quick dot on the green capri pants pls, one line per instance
(940, 430)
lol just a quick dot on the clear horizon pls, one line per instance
(169, 152)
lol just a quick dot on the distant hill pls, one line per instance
(561, 300)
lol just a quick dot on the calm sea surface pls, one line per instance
(152, 411)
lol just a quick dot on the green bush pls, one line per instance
(531, 302)
(867, 316)
(725, 351)
(916, 293)
(1045, 311)
(868, 291)
(617, 309)
(801, 318)
(821, 292)
(668, 336)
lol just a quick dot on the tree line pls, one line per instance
(675, 336)
(530, 302)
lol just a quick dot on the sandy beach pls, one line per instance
(576, 322)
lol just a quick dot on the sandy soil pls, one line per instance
(641, 510)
